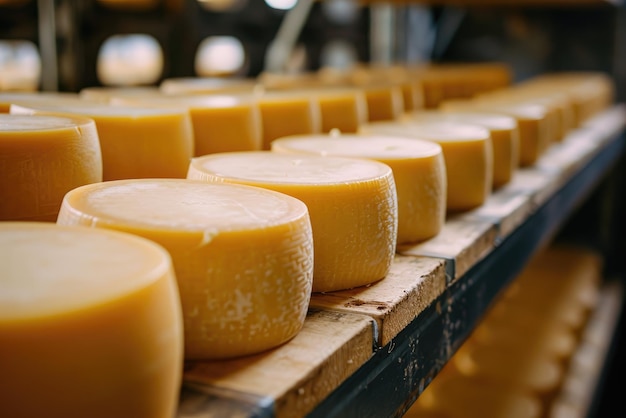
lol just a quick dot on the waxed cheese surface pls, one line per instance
(90, 324)
(243, 255)
(352, 203)
(41, 159)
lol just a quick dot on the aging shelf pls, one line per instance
(369, 352)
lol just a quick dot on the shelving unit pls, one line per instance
(369, 352)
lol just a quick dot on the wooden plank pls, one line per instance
(506, 209)
(538, 185)
(461, 242)
(294, 377)
(412, 284)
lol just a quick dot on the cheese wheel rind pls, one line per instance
(93, 317)
(352, 204)
(41, 159)
(243, 256)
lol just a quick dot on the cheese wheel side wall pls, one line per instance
(37, 168)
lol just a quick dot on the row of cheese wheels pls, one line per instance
(514, 363)
(243, 256)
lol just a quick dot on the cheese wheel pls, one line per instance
(243, 256)
(288, 113)
(352, 204)
(504, 137)
(41, 159)
(341, 109)
(384, 102)
(221, 123)
(135, 142)
(90, 324)
(468, 155)
(418, 169)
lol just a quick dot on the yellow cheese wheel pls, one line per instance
(135, 142)
(243, 256)
(468, 155)
(90, 324)
(341, 109)
(384, 102)
(504, 137)
(221, 123)
(418, 169)
(352, 204)
(288, 113)
(41, 159)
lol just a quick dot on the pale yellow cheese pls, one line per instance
(352, 203)
(288, 113)
(90, 324)
(105, 94)
(6, 99)
(41, 159)
(504, 137)
(243, 256)
(221, 123)
(341, 109)
(418, 169)
(467, 151)
(534, 127)
(135, 142)
(384, 102)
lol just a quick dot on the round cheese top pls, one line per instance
(359, 146)
(491, 121)
(184, 205)
(197, 85)
(9, 123)
(443, 131)
(266, 166)
(49, 269)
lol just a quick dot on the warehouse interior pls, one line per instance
(68, 46)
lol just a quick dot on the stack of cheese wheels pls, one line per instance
(41, 159)
(504, 137)
(135, 142)
(220, 122)
(352, 204)
(418, 169)
(90, 324)
(286, 113)
(468, 155)
(384, 101)
(395, 75)
(534, 127)
(243, 255)
(208, 85)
